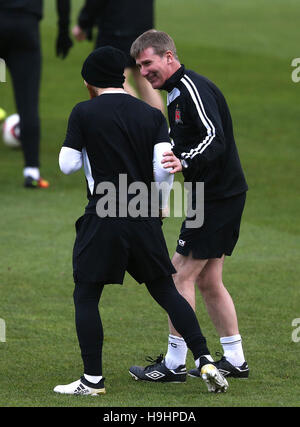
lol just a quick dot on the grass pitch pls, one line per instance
(246, 48)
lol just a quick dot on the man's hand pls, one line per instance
(63, 44)
(171, 161)
(78, 33)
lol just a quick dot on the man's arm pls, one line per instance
(63, 41)
(87, 19)
(70, 156)
(70, 160)
(204, 112)
(163, 177)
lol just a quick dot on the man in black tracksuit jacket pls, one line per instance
(201, 129)
(20, 47)
(205, 151)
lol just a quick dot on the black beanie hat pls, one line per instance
(104, 67)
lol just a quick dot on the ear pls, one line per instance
(169, 56)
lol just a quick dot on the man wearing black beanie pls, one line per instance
(120, 140)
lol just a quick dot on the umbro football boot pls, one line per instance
(158, 372)
(30, 182)
(226, 369)
(81, 387)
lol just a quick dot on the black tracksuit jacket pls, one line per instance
(202, 133)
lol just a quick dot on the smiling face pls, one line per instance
(155, 68)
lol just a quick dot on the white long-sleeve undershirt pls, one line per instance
(162, 175)
(70, 160)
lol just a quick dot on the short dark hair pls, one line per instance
(160, 42)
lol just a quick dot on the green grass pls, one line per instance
(246, 48)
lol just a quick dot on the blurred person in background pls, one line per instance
(119, 23)
(20, 47)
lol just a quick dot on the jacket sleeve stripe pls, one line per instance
(211, 132)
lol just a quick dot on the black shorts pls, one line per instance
(219, 232)
(123, 43)
(105, 248)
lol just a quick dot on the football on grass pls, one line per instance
(11, 131)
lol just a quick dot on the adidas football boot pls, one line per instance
(81, 387)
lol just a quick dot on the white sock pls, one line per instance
(208, 357)
(33, 172)
(233, 350)
(177, 351)
(93, 378)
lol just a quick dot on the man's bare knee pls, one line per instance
(188, 269)
(210, 278)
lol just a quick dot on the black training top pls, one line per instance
(116, 133)
(202, 133)
(35, 7)
(31, 6)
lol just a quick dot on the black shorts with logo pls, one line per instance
(105, 248)
(219, 232)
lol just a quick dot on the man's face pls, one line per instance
(155, 68)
